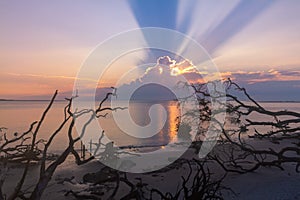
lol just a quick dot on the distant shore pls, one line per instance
(141, 101)
(31, 100)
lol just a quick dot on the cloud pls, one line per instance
(18, 85)
(263, 76)
(264, 84)
(166, 60)
(167, 73)
(168, 70)
(274, 90)
(272, 84)
(47, 76)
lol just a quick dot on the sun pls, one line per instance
(160, 69)
(175, 71)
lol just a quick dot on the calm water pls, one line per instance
(17, 116)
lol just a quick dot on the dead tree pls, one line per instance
(24, 147)
(247, 124)
(46, 173)
(198, 183)
(236, 150)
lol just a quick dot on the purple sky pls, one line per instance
(44, 43)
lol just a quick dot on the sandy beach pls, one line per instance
(265, 183)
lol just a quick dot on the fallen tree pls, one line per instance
(236, 150)
(248, 124)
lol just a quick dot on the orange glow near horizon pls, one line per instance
(41, 52)
(14, 85)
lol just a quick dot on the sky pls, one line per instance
(44, 43)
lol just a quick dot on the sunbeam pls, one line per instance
(244, 13)
(199, 24)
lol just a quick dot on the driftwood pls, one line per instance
(24, 147)
(234, 151)
(197, 184)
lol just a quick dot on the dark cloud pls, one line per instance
(165, 60)
(263, 76)
(290, 73)
(251, 76)
(193, 76)
(274, 90)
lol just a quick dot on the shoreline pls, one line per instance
(139, 101)
(270, 183)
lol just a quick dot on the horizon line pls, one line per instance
(46, 100)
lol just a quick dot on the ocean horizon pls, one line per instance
(17, 116)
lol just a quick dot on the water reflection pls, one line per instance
(139, 114)
(18, 115)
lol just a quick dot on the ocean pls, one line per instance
(17, 116)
